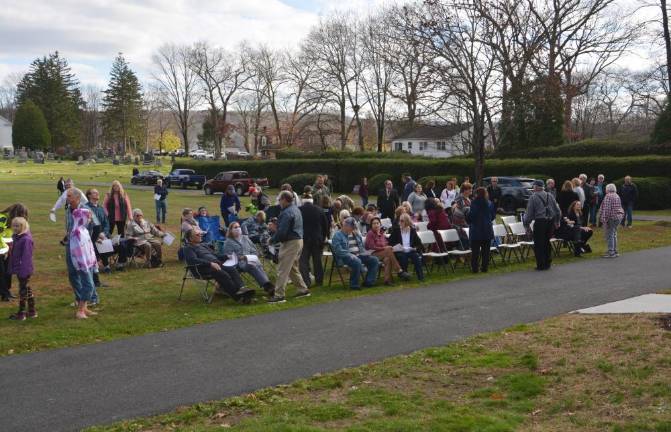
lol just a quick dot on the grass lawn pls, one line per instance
(573, 372)
(653, 212)
(140, 301)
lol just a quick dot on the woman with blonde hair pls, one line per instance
(118, 208)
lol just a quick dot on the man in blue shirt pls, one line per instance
(289, 233)
(348, 249)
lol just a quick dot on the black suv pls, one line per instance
(515, 192)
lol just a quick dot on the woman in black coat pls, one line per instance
(566, 197)
(405, 234)
(481, 230)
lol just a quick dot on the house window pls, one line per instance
(410, 145)
(441, 146)
(398, 146)
(422, 145)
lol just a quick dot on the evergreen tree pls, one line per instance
(30, 128)
(52, 86)
(123, 117)
(207, 137)
(662, 132)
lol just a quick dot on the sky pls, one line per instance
(90, 33)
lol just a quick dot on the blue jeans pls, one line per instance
(256, 271)
(628, 213)
(161, 210)
(611, 235)
(355, 263)
(80, 280)
(405, 257)
(592, 214)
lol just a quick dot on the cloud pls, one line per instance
(90, 33)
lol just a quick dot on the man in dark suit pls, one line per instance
(387, 200)
(315, 234)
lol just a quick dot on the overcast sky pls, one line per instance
(89, 33)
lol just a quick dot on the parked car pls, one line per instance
(146, 177)
(240, 179)
(185, 178)
(515, 192)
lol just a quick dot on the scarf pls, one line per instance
(82, 254)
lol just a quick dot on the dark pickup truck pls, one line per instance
(184, 178)
(239, 179)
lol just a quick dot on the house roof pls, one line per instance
(433, 132)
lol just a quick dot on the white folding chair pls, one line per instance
(452, 236)
(428, 240)
(520, 234)
(421, 226)
(385, 223)
(507, 248)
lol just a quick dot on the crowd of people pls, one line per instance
(293, 231)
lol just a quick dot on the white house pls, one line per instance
(434, 141)
(5, 133)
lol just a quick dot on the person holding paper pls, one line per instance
(160, 195)
(348, 249)
(62, 200)
(240, 246)
(377, 242)
(207, 264)
(407, 245)
(147, 237)
(229, 205)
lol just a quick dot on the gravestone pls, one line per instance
(50, 156)
(38, 157)
(115, 161)
(23, 156)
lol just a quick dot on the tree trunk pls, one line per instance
(359, 127)
(667, 41)
(343, 118)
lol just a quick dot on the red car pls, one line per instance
(239, 179)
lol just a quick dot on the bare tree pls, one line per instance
(667, 38)
(465, 63)
(179, 84)
(298, 99)
(91, 127)
(8, 95)
(268, 65)
(379, 73)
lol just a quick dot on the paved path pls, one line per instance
(68, 389)
(651, 218)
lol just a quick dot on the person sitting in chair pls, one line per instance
(348, 249)
(410, 249)
(255, 227)
(240, 246)
(571, 229)
(207, 264)
(148, 238)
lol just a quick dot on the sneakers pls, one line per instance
(20, 316)
(276, 300)
(32, 314)
(242, 291)
(615, 255)
(303, 294)
(404, 276)
(107, 269)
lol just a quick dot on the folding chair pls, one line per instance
(507, 247)
(428, 240)
(452, 236)
(212, 227)
(191, 273)
(335, 266)
(507, 220)
(520, 235)
(421, 226)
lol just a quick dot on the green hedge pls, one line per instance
(376, 182)
(654, 193)
(440, 181)
(591, 147)
(344, 154)
(299, 181)
(348, 172)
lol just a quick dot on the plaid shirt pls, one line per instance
(611, 208)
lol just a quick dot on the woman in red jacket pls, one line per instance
(377, 243)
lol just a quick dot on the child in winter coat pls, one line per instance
(21, 265)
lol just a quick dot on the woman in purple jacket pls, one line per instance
(21, 264)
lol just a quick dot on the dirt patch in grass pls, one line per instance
(574, 372)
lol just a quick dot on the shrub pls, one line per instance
(299, 181)
(591, 147)
(348, 172)
(30, 128)
(654, 193)
(346, 154)
(662, 131)
(376, 182)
